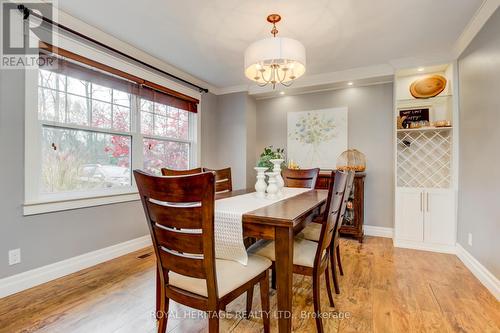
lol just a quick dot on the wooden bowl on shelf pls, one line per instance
(427, 87)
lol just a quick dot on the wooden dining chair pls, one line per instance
(312, 232)
(305, 178)
(172, 172)
(223, 181)
(188, 270)
(313, 258)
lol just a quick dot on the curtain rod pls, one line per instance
(27, 12)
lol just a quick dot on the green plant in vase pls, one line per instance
(270, 154)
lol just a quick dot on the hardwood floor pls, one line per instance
(383, 290)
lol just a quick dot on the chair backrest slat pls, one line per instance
(175, 217)
(180, 216)
(182, 264)
(336, 191)
(223, 181)
(304, 178)
(172, 172)
(179, 240)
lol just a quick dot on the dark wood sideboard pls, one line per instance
(354, 215)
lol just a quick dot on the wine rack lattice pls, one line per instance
(424, 159)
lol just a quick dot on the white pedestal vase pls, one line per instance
(272, 188)
(260, 185)
(277, 169)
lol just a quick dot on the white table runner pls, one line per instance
(228, 222)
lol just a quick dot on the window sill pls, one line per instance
(49, 206)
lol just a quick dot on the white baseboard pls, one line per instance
(372, 230)
(425, 246)
(34, 277)
(480, 272)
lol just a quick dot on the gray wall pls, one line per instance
(231, 136)
(479, 177)
(251, 138)
(228, 135)
(208, 126)
(48, 238)
(370, 131)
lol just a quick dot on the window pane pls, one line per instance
(121, 118)
(174, 125)
(84, 160)
(173, 113)
(121, 98)
(101, 93)
(161, 109)
(78, 87)
(51, 105)
(172, 130)
(101, 114)
(183, 124)
(146, 123)
(160, 125)
(165, 154)
(51, 80)
(146, 105)
(78, 110)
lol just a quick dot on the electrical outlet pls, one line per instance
(14, 256)
(470, 239)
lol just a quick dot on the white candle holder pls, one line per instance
(277, 169)
(260, 185)
(272, 188)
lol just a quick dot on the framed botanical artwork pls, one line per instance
(316, 138)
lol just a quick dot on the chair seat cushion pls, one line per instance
(230, 276)
(304, 251)
(311, 232)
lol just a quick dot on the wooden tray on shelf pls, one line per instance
(427, 87)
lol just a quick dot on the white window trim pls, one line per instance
(33, 203)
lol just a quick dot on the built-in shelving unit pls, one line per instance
(425, 165)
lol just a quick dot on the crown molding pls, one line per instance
(328, 87)
(423, 60)
(484, 12)
(318, 79)
(230, 89)
(333, 77)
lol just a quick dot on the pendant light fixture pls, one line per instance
(275, 60)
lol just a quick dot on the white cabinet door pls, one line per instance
(409, 214)
(439, 218)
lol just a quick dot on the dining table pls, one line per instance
(279, 221)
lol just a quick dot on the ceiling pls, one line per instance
(207, 38)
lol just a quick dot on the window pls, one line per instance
(84, 127)
(93, 128)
